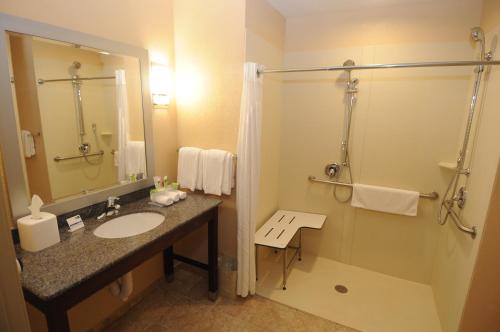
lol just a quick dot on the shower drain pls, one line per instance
(341, 289)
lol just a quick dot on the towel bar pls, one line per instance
(433, 195)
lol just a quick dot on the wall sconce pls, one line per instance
(160, 85)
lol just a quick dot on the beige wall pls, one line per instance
(209, 52)
(265, 38)
(28, 112)
(212, 74)
(482, 308)
(457, 252)
(133, 22)
(404, 123)
(420, 22)
(490, 18)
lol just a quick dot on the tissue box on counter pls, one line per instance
(38, 234)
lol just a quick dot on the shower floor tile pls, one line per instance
(374, 302)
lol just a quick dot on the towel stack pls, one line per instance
(209, 170)
(167, 197)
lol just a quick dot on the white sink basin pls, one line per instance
(129, 225)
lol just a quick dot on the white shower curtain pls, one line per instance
(248, 171)
(122, 107)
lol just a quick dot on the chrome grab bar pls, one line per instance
(456, 219)
(433, 195)
(58, 158)
(43, 81)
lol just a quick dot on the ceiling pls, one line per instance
(295, 8)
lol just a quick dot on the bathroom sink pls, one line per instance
(129, 225)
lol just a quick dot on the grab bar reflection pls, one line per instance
(433, 195)
(58, 158)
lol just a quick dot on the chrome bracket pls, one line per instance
(465, 171)
(461, 197)
(488, 56)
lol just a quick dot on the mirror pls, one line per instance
(79, 116)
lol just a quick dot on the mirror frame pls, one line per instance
(10, 142)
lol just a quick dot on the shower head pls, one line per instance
(477, 35)
(349, 63)
(73, 69)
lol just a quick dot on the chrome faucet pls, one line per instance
(112, 207)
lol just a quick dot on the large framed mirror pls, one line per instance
(76, 116)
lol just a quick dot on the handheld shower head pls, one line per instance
(349, 62)
(477, 35)
(73, 69)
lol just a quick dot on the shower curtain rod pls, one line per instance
(384, 66)
(41, 80)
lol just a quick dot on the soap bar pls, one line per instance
(38, 234)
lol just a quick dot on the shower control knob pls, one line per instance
(331, 170)
(84, 148)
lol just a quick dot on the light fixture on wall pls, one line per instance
(160, 85)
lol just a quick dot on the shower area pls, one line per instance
(425, 128)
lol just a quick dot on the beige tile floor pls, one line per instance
(182, 305)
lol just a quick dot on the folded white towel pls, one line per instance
(384, 199)
(174, 195)
(163, 200)
(28, 144)
(199, 179)
(213, 171)
(187, 167)
(116, 158)
(228, 175)
(182, 194)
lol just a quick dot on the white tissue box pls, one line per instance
(38, 234)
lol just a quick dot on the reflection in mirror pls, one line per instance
(80, 116)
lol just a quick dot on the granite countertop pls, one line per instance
(81, 255)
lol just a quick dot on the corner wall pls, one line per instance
(209, 51)
(265, 38)
(457, 252)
